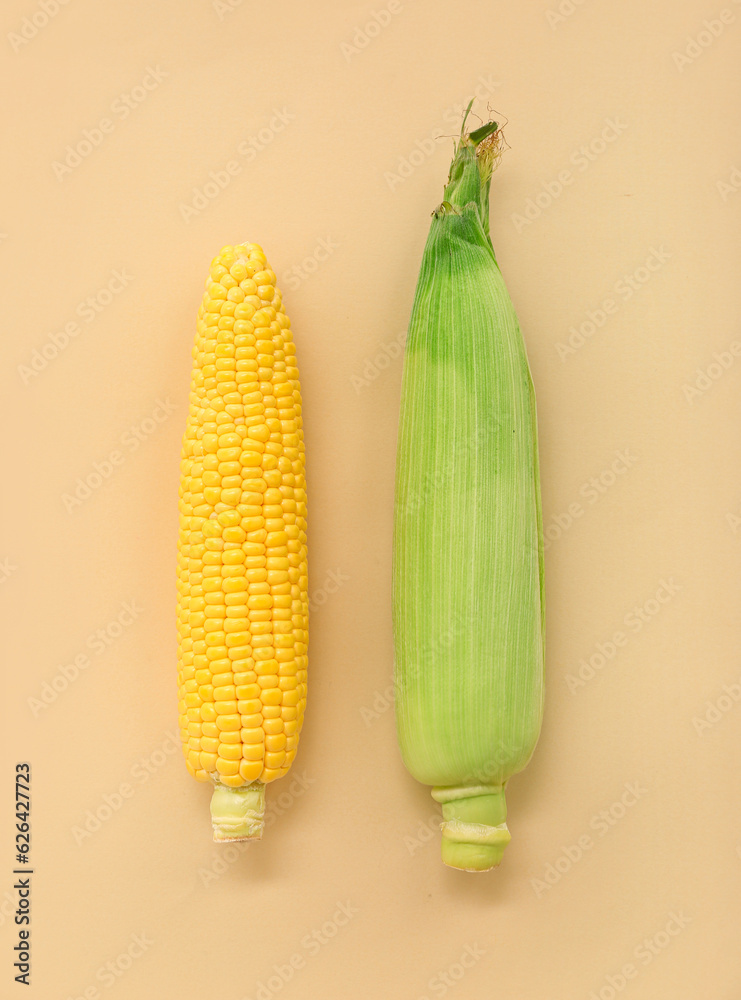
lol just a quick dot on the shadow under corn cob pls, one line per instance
(468, 601)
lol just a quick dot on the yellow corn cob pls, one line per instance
(242, 573)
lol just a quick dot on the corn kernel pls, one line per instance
(273, 696)
(250, 770)
(249, 693)
(229, 723)
(274, 744)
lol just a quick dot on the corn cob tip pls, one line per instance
(238, 813)
(474, 831)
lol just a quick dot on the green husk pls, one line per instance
(468, 599)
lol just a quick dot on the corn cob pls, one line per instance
(468, 599)
(242, 574)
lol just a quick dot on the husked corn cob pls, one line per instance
(242, 570)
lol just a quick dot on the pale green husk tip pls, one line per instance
(238, 813)
(474, 831)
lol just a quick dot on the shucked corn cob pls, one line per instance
(242, 573)
(468, 546)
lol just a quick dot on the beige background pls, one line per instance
(356, 830)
